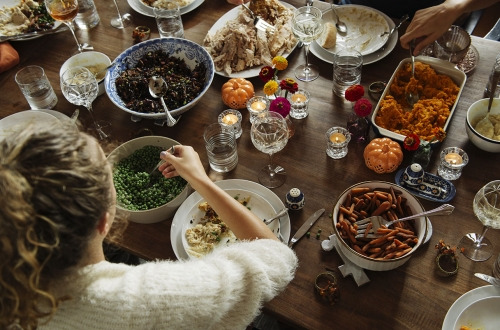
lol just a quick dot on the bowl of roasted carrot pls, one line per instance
(387, 247)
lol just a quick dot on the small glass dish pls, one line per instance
(141, 33)
(327, 287)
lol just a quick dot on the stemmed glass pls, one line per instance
(269, 135)
(307, 26)
(486, 207)
(120, 21)
(79, 87)
(65, 11)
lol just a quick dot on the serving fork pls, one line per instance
(375, 222)
(259, 22)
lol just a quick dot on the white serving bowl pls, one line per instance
(475, 113)
(189, 51)
(159, 213)
(370, 263)
(441, 67)
(94, 61)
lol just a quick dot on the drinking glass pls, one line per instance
(80, 87)
(307, 26)
(269, 135)
(486, 207)
(65, 11)
(120, 21)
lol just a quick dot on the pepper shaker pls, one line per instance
(295, 199)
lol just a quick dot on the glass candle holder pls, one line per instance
(230, 120)
(299, 104)
(337, 139)
(453, 160)
(256, 105)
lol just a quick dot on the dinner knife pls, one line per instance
(305, 227)
(490, 279)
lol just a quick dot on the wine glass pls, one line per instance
(65, 11)
(307, 26)
(120, 21)
(269, 134)
(80, 87)
(486, 207)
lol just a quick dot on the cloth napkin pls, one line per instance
(8, 56)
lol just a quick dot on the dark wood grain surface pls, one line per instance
(409, 297)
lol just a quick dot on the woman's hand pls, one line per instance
(185, 162)
(427, 25)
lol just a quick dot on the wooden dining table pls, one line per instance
(411, 296)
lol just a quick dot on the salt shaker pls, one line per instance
(495, 72)
(295, 199)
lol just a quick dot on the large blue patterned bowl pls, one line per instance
(189, 51)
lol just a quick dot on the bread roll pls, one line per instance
(329, 36)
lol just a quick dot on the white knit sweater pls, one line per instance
(223, 290)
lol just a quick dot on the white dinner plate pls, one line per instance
(382, 51)
(182, 214)
(20, 120)
(34, 35)
(465, 300)
(141, 8)
(59, 115)
(481, 314)
(256, 203)
(221, 22)
(364, 27)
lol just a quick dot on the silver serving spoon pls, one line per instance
(412, 97)
(157, 88)
(494, 83)
(341, 27)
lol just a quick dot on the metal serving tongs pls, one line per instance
(259, 22)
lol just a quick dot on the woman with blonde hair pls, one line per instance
(57, 204)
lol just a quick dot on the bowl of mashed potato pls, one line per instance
(483, 128)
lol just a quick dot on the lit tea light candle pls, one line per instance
(298, 98)
(337, 137)
(230, 119)
(258, 105)
(453, 158)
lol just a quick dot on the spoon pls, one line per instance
(341, 27)
(494, 83)
(403, 19)
(412, 97)
(157, 88)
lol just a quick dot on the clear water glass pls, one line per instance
(347, 65)
(36, 87)
(221, 148)
(169, 21)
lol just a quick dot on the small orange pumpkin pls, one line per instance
(383, 155)
(236, 92)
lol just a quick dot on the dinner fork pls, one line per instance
(260, 23)
(375, 222)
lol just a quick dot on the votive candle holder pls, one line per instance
(230, 119)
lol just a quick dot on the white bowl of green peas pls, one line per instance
(143, 194)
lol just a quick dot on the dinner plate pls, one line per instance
(365, 26)
(481, 314)
(465, 300)
(221, 22)
(141, 8)
(19, 120)
(256, 203)
(384, 50)
(26, 36)
(182, 214)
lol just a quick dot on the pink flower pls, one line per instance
(354, 93)
(362, 107)
(280, 105)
